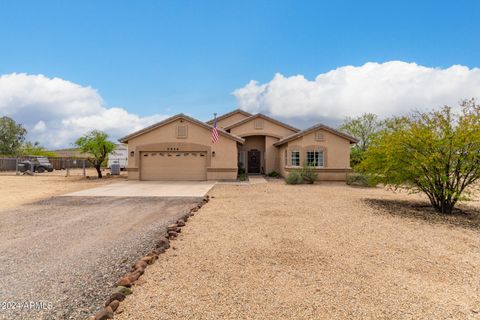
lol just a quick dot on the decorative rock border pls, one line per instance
(123, 286)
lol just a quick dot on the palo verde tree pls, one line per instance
(362, 128)
(437, 153)
(96, 144)
(12, 136)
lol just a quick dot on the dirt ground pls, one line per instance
(18, 190)
(274, 251)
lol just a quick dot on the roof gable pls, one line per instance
(260, 115)
(174, 118)
(315, 128)
(229, 114)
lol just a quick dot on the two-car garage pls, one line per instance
(181, 148)
(166, 165)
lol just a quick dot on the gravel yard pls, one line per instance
(18, 190)
(67, 252)
(273, 251)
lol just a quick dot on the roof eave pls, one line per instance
(173, 118)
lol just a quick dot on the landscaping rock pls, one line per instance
(123, 290)
(133, 276)
(140, 265)
(163, 242)
(115, 296)
(172, 227)
(124, 282)
(150, 259)
(114, 305)
(181, 223)
(172, 234)
(106, 313)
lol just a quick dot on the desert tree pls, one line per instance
(363, 128)
(12, 136)
(437, 153)
(97, 146)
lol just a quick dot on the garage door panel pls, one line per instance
(173, 165)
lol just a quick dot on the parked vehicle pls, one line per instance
(35, 164)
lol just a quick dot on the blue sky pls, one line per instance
(166, 57)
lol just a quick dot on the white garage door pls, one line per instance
(162, 165)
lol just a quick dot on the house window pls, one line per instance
(258, 123)
(295, 158)
(182, 131)
(319, 136)
(315, 158)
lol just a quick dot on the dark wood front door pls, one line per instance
(253, 161)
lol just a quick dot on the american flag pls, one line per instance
(215, 132)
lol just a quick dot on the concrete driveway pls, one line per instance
(148, 189)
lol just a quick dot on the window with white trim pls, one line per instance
(295, 160)
(314, 158)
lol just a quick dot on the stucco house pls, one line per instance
(180, 148)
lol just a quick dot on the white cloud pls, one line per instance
(40, 126)
(389, 88)
(56, 111)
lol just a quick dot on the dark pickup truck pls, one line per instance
(36, 164)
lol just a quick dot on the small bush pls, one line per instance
(359, 180)
(294, 177)
(242, 177)
(308, 175)
(241, 170)
(273, 174)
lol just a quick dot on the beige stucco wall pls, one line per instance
(269, 129)
(272, 159)
(336, 155)
(221, 166)
(230, 120)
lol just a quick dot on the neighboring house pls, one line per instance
(118, 156)
(180, 148)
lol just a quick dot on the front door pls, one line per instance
(253, 161)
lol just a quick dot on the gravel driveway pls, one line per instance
(67, 252)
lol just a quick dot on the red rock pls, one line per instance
(172, 227)
(124, 281)
(114, 305)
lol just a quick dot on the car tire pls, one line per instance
(40, 169)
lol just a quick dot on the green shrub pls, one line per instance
(241, 170)
(273, 174)
(294, 177)
(359, 180)
(308, 175)
(242, 177)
